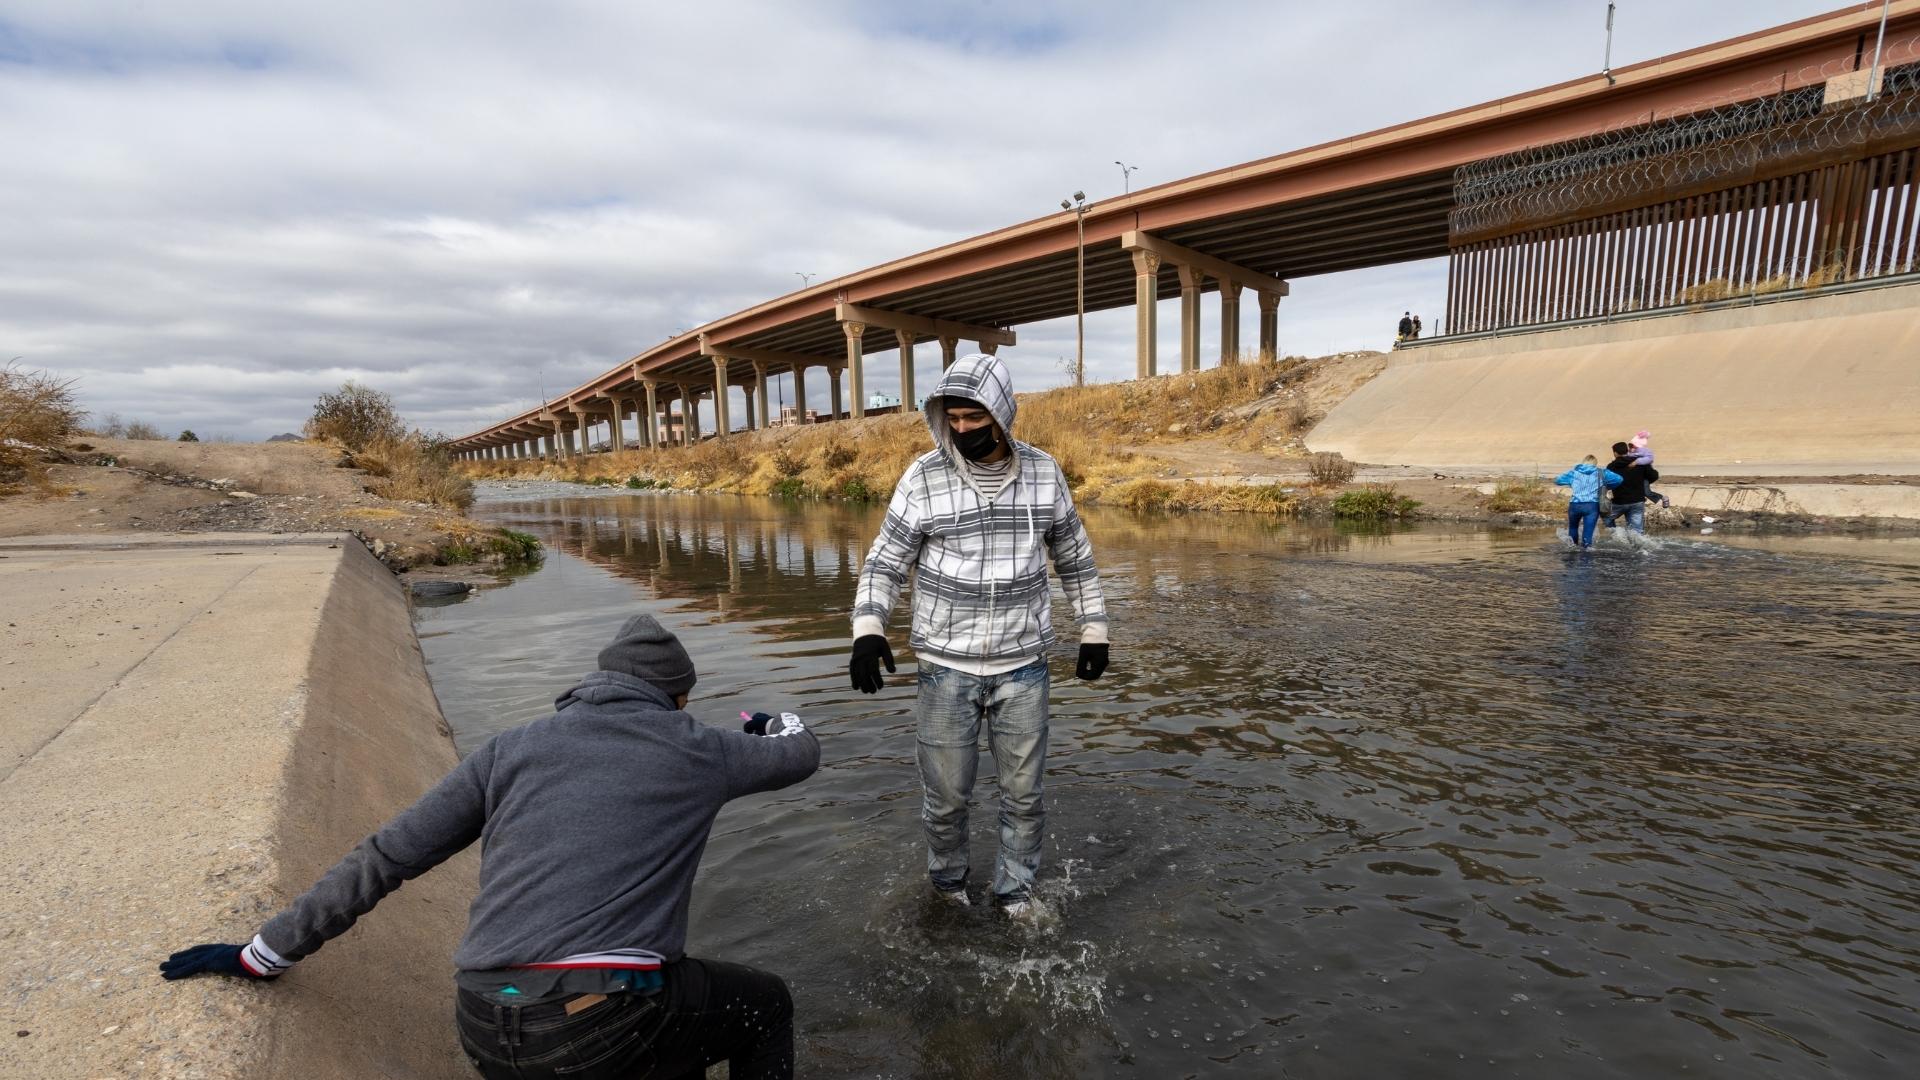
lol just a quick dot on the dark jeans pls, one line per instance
(1582, 517)
(707, 1012)
(1636, 515)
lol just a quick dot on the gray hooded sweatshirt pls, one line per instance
(591, 821)
(979, 566)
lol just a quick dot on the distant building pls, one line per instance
(882, 401)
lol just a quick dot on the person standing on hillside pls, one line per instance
(972, 524)
(592, 823)
(1405, 329)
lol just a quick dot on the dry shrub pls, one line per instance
(1297, 415)
(36, 411)
(786, 463)
(354, 416)
(140, 429)
(1145, 493)
(1526, 494)
(837, 455)
(1329, 470)
(416, 468)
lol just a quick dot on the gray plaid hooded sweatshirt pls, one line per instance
(979, 567)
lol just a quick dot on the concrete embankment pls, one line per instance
(192, 729)
(1821, 386)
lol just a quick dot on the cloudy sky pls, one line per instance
(217, 209)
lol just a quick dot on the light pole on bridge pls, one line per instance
(1079, 208)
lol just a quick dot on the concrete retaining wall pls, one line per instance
(197, 727)
(1825, 385)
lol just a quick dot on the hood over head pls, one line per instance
(980, 378)
(609, 687)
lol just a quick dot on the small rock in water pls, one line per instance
(439, 588)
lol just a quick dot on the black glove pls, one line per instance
(1093, 661)
(868, 651)
(206, 959)
(770, 725)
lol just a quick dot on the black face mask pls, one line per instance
(975, 445)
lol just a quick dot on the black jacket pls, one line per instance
(1633, 481)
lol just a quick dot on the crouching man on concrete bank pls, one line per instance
(592, 822)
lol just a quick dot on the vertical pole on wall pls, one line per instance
(1873, 73)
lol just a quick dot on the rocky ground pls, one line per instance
(115, 485)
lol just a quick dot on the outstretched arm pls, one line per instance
(771, 752)
(426, 834)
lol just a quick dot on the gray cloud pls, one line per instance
(230, 207)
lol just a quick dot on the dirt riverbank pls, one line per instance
(1226, 439)
(132, 486)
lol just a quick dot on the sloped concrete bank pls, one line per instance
(193, 728)
(1819, 386)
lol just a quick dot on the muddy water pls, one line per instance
(1435, 804)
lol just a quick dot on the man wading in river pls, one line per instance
(973, 522)
(592, 822)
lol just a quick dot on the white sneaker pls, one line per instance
(954, 896)
(1029, 912)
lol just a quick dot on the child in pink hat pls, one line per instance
(1642, 454)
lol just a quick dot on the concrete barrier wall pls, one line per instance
(1825, 385)
(378, 1001)
(201, 726)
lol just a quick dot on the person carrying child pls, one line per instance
(1630, 497)
(592, 822)
(1587, 480)
(1642, 455)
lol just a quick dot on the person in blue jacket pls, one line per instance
(1587, 480)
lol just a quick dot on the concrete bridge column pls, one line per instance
(582, 422)
(1229, 322)
(799, 394)
(1191, 281)
(1269, 326)
(833, 390)
(1146, 321)
(722, 421)
(906, 368)
(689, 416)
(760, 393)
(650, 436)
(856, 368)
(619, 423)
(948, 347)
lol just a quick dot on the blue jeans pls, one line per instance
(1636, 515)
(1582, 518)
(949, 711)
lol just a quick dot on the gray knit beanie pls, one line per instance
(646, 650)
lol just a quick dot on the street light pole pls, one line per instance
(1079, 207)
(1126, 177)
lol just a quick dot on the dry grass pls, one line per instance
(1088, 430)
(413, 468)
(1523, 495)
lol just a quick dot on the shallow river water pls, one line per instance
(1448, 802)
